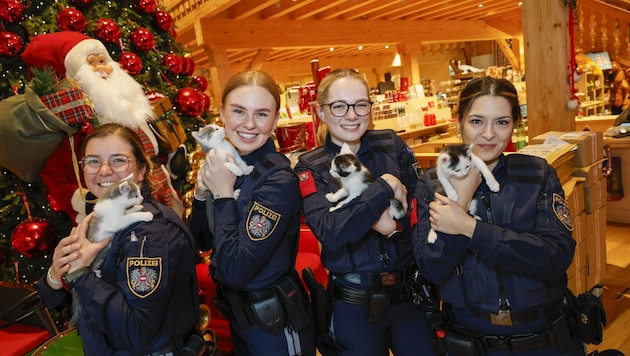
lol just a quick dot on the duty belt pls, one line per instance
(370, 279)
(361, 296)
(517, 317)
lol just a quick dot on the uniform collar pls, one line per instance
(253, 157)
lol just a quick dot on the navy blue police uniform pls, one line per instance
(254, 247)
(370, 274)
(146, 301)
(507, 283)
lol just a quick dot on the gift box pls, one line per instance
(167, 127)
(69, 103)
(590, 145)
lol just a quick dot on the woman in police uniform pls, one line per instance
(502, 273)
(367, 253)
(254, 237)
(122, 314)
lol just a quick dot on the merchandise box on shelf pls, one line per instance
(595, 247)
(574, 195)
(595, 195)
(590, 145)
(577, 270)
(577, 282)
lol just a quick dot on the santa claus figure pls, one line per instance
(117, 98)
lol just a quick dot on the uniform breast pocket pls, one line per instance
(143, 269)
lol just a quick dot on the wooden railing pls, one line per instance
(603, 28)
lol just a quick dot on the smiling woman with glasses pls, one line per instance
(147, 277)
(367, 253)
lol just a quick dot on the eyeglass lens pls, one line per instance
(117, 163)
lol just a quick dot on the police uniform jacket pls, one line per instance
(520, 249)
(254, 240)
(348, 242)
(147, 296)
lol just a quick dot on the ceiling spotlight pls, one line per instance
(386, 46)
(360, 48)
(331, 49)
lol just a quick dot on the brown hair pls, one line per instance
(324, 85)
(488, 86)
(253, 77)
(129, 136)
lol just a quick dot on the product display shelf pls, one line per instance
(591, 95)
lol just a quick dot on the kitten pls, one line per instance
(213, 137)
(354, 178)
(119, 207)
(456, 161)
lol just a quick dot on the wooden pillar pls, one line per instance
(219, 72)
(409, 59)
(546, 37)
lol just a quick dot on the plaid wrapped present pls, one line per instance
(167, 127)
(69, 105)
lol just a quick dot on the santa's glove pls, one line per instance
(177, 162)
(83, 203)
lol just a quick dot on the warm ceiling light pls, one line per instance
(360, 48)
(331, 49)
(396, 62)
(386, 46)
(480, 5)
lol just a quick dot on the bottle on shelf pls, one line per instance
(521, 137)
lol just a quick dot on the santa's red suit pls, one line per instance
(67, 53)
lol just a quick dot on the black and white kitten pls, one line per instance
(119, 207)
(212, 136)
(456, 161)
(354, 178)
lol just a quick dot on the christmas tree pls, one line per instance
(138, 34)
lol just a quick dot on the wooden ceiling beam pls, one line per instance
(290, 33)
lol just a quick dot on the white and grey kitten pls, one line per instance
(354, 178)
(456, 161)
(119, 207)
(212, 136)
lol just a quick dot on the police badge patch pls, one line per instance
(261, 221)
(144, 275)
(561, 209)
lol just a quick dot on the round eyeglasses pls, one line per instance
(341, 108)
(117, 163)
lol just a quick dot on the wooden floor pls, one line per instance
(616, 295)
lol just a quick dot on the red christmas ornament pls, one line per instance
(199, 82)
(71, 19)
(188, 101)
(206, 102)
(163, 20)
(107, 30)
(82, 3)
(146, 6)
(173, 62)
(189, 66)
(11, 44)
(143, 39)
(34, 236)
(11, 10)
(130, 62)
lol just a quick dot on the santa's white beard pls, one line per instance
(118, 98)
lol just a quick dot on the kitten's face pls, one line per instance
(209, 136)
(455, 160)
(126, 192)
(344, 165)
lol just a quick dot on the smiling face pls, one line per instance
(488, 126)
(350, 127)
(249, 114)
(103, 148)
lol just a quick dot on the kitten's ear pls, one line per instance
(124, 187)
(345, 149)
(129, 178)
(195, 134)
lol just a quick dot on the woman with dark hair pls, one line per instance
(501, 273)
(121, 314)
(254, 236)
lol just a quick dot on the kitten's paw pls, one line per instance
(432, 236)
(145, 216)
(330, 197)
(235, 169)
(237, 193)
(248, 169)
(396, 210)
(494, 186)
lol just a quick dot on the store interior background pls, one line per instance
(530, 37)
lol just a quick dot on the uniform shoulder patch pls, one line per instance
(561, 209)
(261, 222)
(143, 275)
(307, 183)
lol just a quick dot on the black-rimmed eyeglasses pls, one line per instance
(340, 108)
(117, 163)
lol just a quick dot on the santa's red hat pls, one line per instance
(64, 51)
